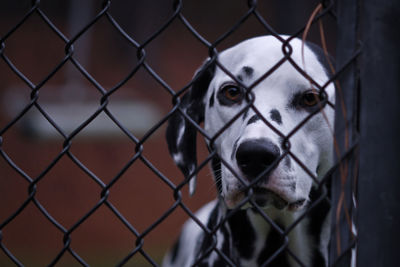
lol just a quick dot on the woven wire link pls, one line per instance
(178, 16)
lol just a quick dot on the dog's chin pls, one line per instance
(264, 198)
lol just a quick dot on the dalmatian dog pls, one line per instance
(259, 217)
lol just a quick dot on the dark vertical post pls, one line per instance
(346, 134)
(379, 180)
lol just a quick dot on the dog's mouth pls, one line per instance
(264, 198)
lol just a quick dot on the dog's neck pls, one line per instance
(268, 231)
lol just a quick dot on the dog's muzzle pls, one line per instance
(257, 159)
(264, 198)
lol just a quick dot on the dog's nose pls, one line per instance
(254, 156)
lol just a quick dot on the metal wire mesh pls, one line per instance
(343, 211)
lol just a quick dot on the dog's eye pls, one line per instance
(232, 93)
(310, 98)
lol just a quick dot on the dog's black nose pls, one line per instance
(254, 156)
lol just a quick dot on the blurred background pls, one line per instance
(66, 191)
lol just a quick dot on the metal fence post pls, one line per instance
(346, 134)
(379, 180)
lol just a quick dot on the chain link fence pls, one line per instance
(86, 176)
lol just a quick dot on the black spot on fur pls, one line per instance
(293, 187)
(317, 50)
(272, 244)
(219, 263)
(243, 234)
(245, 114)
(275, 116)
(253, 119)
(207, 241)
(225, 248)
(174, 252)
(211, 102)
(317, 216)
(248, 71)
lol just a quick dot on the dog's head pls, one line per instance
(268, 144)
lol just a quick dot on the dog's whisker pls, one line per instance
(216, 179)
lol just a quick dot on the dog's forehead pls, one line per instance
(264, 50)
(254, 57)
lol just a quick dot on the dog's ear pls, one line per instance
(324, 59)
(181, 133)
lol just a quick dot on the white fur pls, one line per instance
(311, 144)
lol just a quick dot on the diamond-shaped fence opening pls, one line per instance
(34, 32)
(87, 93)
